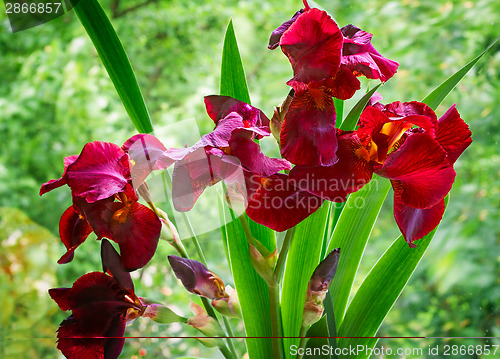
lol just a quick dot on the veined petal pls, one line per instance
(415, 223)
(308, 135)
(276, 203)
(252, 158)
(313, 44)
(359, 55)
(421, 169)
(133, 226)
(453, 134)
(73, 230)
(101, 170)
(346, 176)
(274, 40)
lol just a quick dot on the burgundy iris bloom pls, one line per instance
(418, 161)
(325, 61)
(99, 307)
(222, 153)
(105, 202)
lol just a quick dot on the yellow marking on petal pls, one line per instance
(121, 215)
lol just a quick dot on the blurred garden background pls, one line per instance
(55, 96)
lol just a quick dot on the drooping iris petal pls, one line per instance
(101, 170)
(274, 40)
(133, 226)
(360, 57)
(251, 156)
(197, 171)
(313, 44)
(73, 230)
(346, 176)
(308, 135)
(53, 184)
(424, 175)
(276, 203)
(415, 223)
(453, 134)
(219, 107)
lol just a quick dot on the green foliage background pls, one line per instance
(55, 96)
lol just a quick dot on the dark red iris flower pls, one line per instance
(325, 61)
(420, 165)
(418, 161)
(105, 202)
(99, 307)
(230, 153)
(222, 153)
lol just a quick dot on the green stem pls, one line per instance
(246, 229)
(276, 326)
(279, 270)
(194, 239)
(230, 334)
(303, 341)
(225, 351)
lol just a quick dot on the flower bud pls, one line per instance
(264, 265)
(323, 276)
(197, 279)
(160, 313)
(318, 286)
(206, 325)
(229, 307)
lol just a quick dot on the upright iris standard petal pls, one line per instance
(421, 170)
(415, 223)
(219, 107)
(102, 170)
(308, 135)
(73, 230)
(453, 134)
(313, 44)
(275, 38)
(359, 55)
(335, 182)
(146, 154)
(276, 203)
